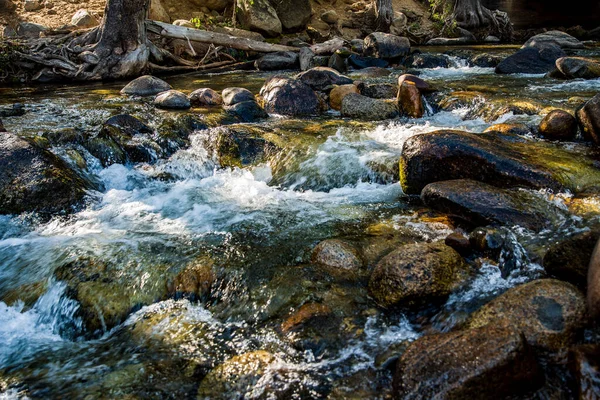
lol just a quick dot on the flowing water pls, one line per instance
(255, 226)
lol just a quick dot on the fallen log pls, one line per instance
(218, 39)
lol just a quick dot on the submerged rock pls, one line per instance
(417, 273)
(386, 46)
(447, 155)
(531, 60)
(240, 146)
(194, 281)
(588, 116)
(172, 99)
(323, 79)
(33, 179)
(550, 313)
(146, 85)
(287, 96)
(488, 362)
(559, 125)
(337, 255)
(235, 376)
(233, 96)
(277, 61)
(578, 68)
(364, 108)
(205, 97)
(568, 260)
(483, 204)
(584, 362)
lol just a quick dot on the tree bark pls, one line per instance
(122, 46)
(384, 15)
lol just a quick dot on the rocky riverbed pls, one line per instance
(374, 232)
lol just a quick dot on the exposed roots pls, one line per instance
(471, 15)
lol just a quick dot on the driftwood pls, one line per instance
(218, 39)
(328, 47)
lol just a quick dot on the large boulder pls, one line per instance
(287, 96)
(365, 108)
(568, 260)
(417, 273)
(556, 38)
(446, 155)
(483, 204)
(277, 61)
(293, 14)
(146, 85)
(588, 116)
(323, 79)
(578, 68)
(35, 180)
(559, 125)
(386, 46)
(260, 16)
(531, 60)
(550, 313)
(484, 363)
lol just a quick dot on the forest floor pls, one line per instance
(58, 13)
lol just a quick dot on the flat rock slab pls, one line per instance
(483, 204)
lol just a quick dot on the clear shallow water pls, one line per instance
(259, 226)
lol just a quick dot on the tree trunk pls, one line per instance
(471, 14)
(384, 14)
(122, 47)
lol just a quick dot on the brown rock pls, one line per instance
(195, 280)
(205, 97)
(593, 289)
(512, 129)
(422, 85)
(569, 259)
(588, 116)
(559, 125)
(584, 362)
(338, 93)
(157, 12)
(458, 242)
(305, 313)
(417, 272)
(549, 312)
(483, 363)
(409, 100)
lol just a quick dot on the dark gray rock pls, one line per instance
(293, 14)
(360, 62)
(247, 111)
(33, 179)
(323, 79)
(287, 96)
(278, 61)
(531, 60)
(146, 85)
(232, 96)
(172, 99)
(386, 46)
(556, 38)
(483, 204)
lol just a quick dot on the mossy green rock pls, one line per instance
(548, 312)
(502, 160)
(417, 273)
(34, 179)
